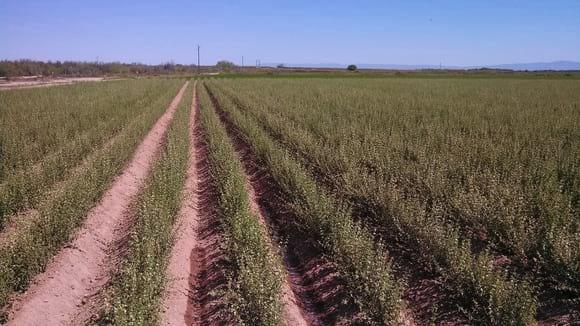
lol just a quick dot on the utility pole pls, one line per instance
(198, 59)
(242, 62)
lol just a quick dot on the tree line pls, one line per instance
(9, 68)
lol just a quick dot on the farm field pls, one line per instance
(291, 201)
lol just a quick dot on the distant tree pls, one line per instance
(280, 66)
(225, 65)
(351, 68)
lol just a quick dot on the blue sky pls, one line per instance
(457, 32)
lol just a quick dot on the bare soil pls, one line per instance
(82, 268)
(178, 305)
(44, 82)
(197, 263)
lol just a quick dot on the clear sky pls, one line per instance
(455, 32)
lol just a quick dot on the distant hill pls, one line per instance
(534, 66)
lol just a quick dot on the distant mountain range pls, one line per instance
(533, 66)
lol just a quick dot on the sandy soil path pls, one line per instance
(196, 271)
(82, 268)
(19, 84)
(178, 304)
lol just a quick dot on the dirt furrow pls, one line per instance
(294, 309)
(81, 269)
(178, 304)
(20, 221)
(195, 269)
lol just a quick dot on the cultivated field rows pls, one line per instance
(294, 202)
(518, 270)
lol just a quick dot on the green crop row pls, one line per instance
(39, 121)
(95, 114)
(488, 293)
(255, 272)
(498, 158)
(137, 290)
(359, 260)
(27, 252)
